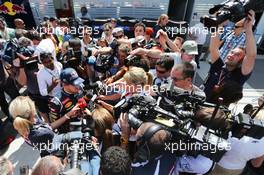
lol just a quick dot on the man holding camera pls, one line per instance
(238, 64)
(66, 106)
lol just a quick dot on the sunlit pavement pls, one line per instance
(20, 154)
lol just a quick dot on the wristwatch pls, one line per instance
(123, 140)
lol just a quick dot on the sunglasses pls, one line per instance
(239, 27)
(175, 79)
(106, 30)
(160, 71)
(117, 37)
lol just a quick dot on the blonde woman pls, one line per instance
(29, 125)
(137, 80)
(107, 33)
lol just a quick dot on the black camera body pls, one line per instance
(104, 63)
(76, 157)
(72, 58)
(243, 124)
(185, 127)
(132, 60)
(233, 10)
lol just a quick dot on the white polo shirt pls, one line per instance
(177, 60)
(242, 150)
(189, 164)
(45, 76)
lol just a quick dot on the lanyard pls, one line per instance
(221, 77)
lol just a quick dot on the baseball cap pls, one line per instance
(117, 29)
(70, 76)
(190, 47)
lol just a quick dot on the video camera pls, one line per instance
(132, 60)
(104, 63)
(187, 104)
(233, 10)
(145, 109)
(184, 125)
(72, 58)
(19, 56)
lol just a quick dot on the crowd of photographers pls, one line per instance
(81, 79)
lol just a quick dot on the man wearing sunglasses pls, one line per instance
(118, 33)
(182, 77)
(163, 68)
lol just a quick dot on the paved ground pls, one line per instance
(22, 154)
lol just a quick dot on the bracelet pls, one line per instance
(67, 117)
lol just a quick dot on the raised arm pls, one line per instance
(153, 53)
(214, 46)
(251, 49)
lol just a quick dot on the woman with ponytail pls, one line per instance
(28, 124)
(37, 133)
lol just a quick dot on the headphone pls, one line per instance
(143, 151)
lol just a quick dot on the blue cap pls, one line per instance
(70, 76)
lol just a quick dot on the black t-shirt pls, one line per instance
(218, 75)
(40, 137)
(32, 82)
(156, 28)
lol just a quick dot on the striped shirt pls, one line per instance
(232, 41)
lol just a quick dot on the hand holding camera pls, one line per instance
(250, 20)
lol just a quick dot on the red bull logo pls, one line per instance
(11, 9)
